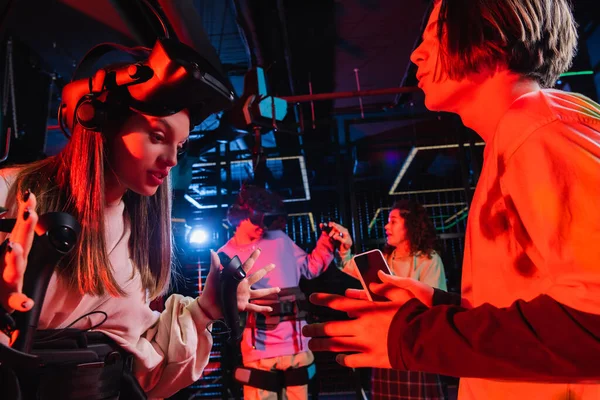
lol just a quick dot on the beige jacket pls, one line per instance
(171, 348)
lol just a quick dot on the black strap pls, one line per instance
(282, 311)
(9, 384)
(75, 366)
(274, 381)
(291, 305)
(130, 387)
(299, 376)
(97, 381)
(96, 52)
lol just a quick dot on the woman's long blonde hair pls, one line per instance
(73, 182)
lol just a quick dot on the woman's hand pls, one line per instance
(209, 300)
(245, 293)
(399, 289)
(396, 289)
(13, 259)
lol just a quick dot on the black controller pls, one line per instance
(325, 227)
(230, 277)
(55, 235)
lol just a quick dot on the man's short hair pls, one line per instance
(534, 38)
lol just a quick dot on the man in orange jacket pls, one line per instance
(527, 323)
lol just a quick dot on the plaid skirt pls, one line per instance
(405, 385)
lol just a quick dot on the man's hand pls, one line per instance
(13, 261)
(366, 335)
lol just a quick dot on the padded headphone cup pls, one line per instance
(86, 113)
(90, 114)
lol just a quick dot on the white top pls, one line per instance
(420, 268)
(171, 348)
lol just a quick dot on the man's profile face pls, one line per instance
(441, 92)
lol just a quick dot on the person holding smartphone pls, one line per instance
(410, 253)
(527, 322)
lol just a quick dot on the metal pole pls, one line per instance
(343, 95)
(462, 159)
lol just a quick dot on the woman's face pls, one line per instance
(143, 152)
(395, 229)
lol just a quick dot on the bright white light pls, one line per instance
(198, 236)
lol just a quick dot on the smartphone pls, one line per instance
(368, 264)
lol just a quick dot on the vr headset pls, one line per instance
(173, 77)
(263, 219)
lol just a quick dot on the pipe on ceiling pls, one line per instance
(287, 54)
(243, 17)
(144, 28)
(186, 23)
(5, 15)
(344, 95)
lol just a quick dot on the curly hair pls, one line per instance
(420, 231)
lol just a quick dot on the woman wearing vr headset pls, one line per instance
(113, 177)
(273, 342)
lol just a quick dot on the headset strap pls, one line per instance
(96, 52)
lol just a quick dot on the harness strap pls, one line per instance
(78, 366)
(289, 305)
(276, 380)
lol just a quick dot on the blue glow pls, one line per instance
(262, 82)
(266, 108)
(198, 236)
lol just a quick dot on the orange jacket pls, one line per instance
(531, 272)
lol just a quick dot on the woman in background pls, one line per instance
(410, 253)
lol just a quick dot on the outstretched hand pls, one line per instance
(245, 292)
(209, 300)
(13, 261)
(366, 335)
